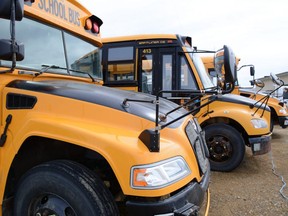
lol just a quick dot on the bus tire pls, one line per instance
(226, 147)
(63, 188)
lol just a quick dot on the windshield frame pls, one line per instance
(199, 65)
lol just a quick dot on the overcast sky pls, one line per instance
(257, 30)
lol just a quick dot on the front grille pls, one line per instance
(197, 141)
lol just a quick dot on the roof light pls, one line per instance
(93, 23)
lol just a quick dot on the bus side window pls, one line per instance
(121, 64)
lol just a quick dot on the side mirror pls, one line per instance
(225, 62)
(276, 79)
(6, 7)
(252, 71)
(6, 50)
(229, 65)
(259, 83)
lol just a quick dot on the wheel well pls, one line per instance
(274, 116)
(36, 150)
(230, 122)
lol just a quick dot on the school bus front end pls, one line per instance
(88, 124)
(279, 112)
(168, 62)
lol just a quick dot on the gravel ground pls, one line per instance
(254, 187)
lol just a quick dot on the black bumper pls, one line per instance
(187, 201)
(260, 145)
(283, 121)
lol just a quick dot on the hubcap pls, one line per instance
(51, 205)
(220, 148)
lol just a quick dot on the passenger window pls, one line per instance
(187, 79)
(121, 64)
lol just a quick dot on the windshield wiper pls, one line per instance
(47, 67)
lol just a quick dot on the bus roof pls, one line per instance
(139, 37)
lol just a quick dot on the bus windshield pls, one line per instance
(45, 45)
(205, 79)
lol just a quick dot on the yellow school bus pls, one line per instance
(279, 112)
(155, 63)
(71, 147)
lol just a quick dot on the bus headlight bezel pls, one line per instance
(259, 123)
(159, 174)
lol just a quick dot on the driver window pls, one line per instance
(187, 79)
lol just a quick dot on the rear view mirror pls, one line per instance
(276, 79)
(225, 64)
(229, 65)
(259, 83)
(252, 71)
(6, 50)
(6, 7)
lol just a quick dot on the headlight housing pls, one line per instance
(259, 123)
(160, 174)
(283, 111)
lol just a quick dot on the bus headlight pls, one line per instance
(159, 174)
(259, 123)
(283, 111)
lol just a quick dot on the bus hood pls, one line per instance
(232, 98)
(139, 104)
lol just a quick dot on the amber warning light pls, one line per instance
(93, 24)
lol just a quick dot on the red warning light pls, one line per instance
(95, 28)
(93, 24)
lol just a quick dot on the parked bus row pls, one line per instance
(128, 125)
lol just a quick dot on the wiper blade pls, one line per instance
(47, 67)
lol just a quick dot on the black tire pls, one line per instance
(226, 147)
(63, 188)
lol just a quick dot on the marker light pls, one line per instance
(159, 174)
(88, 24)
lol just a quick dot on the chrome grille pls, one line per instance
(197, 142)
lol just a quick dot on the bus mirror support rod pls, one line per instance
(151, 137)
(10, 50)
(266, 97)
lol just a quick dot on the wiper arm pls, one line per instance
(47, 67)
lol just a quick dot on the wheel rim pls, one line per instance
(50, 205)
(220, 148)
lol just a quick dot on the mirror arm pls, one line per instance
(13, 40)
(13, 17)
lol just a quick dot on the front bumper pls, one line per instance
(189, 201)
(260, 145)
(283, 121)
